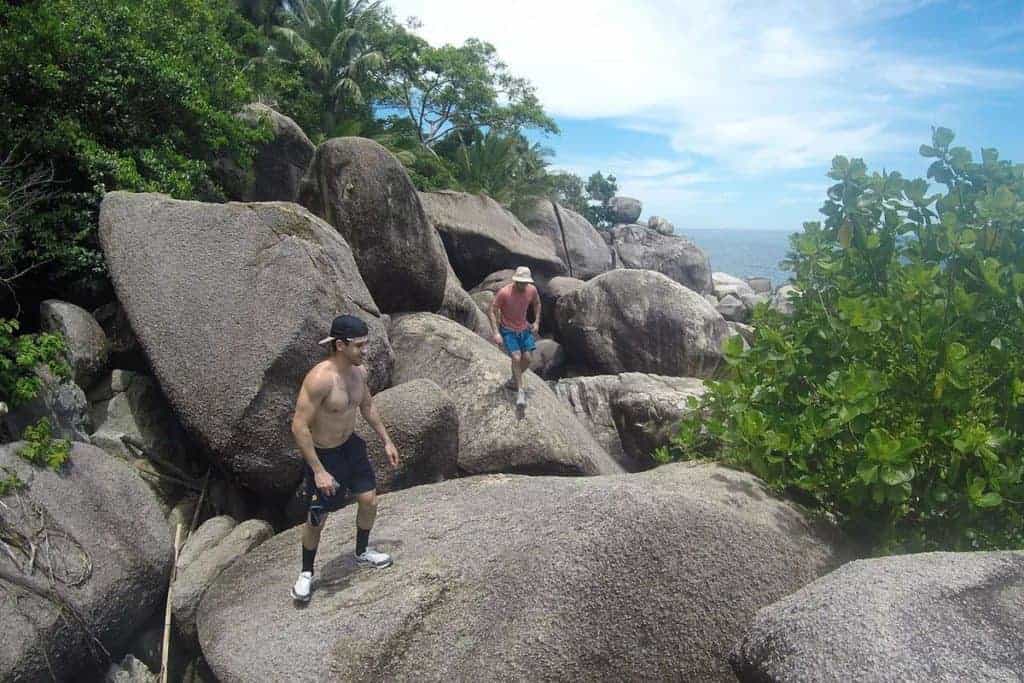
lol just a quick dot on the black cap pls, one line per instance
(346, 327)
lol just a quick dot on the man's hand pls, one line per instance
(392, 453)
(496, 339)
(325, 483)
(536, 328)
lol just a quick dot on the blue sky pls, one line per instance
(720, 114)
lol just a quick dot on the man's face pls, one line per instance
(353, 349)
(520, 286)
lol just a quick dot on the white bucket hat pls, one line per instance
(522, 275)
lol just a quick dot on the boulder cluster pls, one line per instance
(542, 544)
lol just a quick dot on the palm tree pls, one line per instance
(328, 39)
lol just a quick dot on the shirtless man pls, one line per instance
(508, 319)
(325, 417)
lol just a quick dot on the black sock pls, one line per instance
(362, 538)
(307, 559)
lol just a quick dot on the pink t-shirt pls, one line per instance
(513, 306)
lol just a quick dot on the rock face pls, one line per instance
(523, 578)
(424, 426)
(625, 209)
(782, 299)
(481, 237)
(640, 247)
(546, 438)
(640, 321)
(575, 240)
(99, 509)
(928, 617)
(279, 163)
(60, 401)
(361, 189)
(660, 225)
(459, 306)
(125, 351)
(195, 577)
(130, 404)
(630, 414)
(228, 301)
(87, 349)
(548, 360)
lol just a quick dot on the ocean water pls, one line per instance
(744, 253)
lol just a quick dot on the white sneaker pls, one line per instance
(372, 558)
(302, 587)
(521, 398)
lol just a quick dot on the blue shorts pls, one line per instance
(517, 341)
(350, 466)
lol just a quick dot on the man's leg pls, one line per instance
(365, 517)
(517, 369)
(311, 530)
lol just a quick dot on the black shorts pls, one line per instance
(350, 467)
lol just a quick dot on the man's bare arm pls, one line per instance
(536, 312)
(372, 417)
(492, 315)
(311, 395)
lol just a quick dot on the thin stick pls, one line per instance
(167, 612)
(199, 505)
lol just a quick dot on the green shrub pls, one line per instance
(892, 398)
(114, 95)
(41, 449)
(20, 355)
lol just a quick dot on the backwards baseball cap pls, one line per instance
(346, 327)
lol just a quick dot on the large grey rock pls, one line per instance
(208, 535)
(460, 306)
(481, 237)
(422, 422)
(88, 351)
(760, 285)
(782, 299)
(725, 285)
(732, 309)
(108, 546)
(129, 404)
(548, 360)
(193, 580)
(60, 401)
(574, 239)
(278, 165)
(630, 414)
(639, 247)
(927, 617)
(661, 225)
(640, 321)
(523, 578)
(125, 351)
(361, 189)
(493, 437)
(228, 301)
(625, 209)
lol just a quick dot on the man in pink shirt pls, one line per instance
(508, 320)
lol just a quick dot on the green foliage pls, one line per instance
(448, 89)
(506, 167)
(328, 42)
(111, 95)
(600, 190)
(20, 355)
(41, 449)
(10, 482)
(892, 399)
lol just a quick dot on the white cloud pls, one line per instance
(754, 87)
